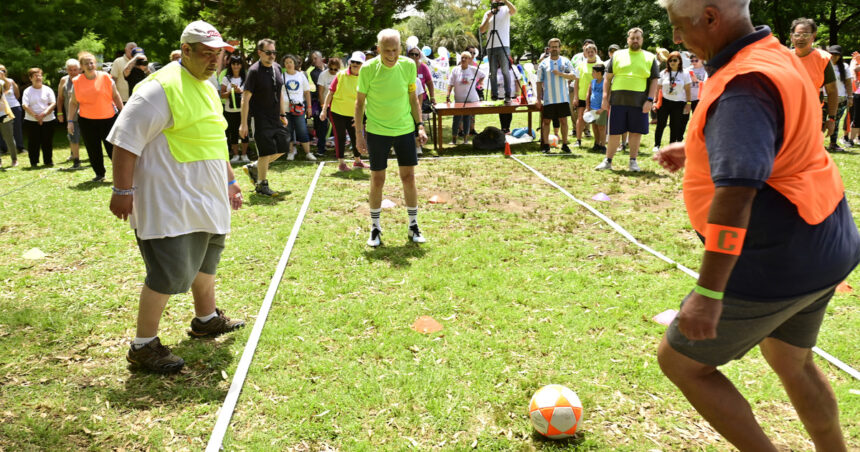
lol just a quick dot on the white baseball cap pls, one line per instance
(204, 33)
(358, 57)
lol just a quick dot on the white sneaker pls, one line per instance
(634, 166)
(235, 159)
(310, 156)
(374, 239)
(414, 234)
(655, 150)
(604, 165)
(244, 159)
(291, 155)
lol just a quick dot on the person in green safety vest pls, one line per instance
(173, 182)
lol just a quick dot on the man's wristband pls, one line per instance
(231, 182)
(121, 192)
(419, 123)
(708, 292)
(651, 99)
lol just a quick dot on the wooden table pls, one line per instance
(476, 108)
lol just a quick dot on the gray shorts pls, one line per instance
(74, 138)
(743, 324)
(172, 263)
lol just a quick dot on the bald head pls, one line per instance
(693, 9)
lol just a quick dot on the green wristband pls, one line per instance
(708, 292)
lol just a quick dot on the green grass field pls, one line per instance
(531, 289)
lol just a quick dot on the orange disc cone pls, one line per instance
(507, 149)
(426, 325)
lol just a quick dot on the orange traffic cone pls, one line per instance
(507, 149)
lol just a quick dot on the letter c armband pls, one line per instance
(724, 239)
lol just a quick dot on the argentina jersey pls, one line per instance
(555, 88)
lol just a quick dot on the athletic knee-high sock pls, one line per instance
(374, 217)
(413, 215)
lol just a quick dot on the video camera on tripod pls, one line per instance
(494, 6)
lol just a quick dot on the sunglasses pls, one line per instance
(270, 52)
(693, 60)
(676, 60)
(355, 63)
(413, 54)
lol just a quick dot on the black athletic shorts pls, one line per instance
(553, 111)
(271, 140)
(378, 147)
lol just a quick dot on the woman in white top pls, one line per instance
(463, 81)
(39, 102)
(676, 104)
(231, 89)
(297, 94)
(698, 75)
(12, 93)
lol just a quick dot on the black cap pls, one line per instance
(837, 49)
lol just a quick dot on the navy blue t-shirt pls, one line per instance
(265, 88)
(782, 256)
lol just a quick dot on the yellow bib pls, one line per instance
(630, 71)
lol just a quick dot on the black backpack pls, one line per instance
(490, 139)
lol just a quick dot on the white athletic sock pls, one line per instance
(374, 217)
(207, 318)
(139, 342)
(413, 215)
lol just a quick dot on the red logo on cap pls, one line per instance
(213, 34)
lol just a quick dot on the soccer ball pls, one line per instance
(555, 411)
(552, 140)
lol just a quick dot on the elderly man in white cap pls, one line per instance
(174, 184)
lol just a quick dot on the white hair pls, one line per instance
(387, 34)
(71, 62)
(693, 9)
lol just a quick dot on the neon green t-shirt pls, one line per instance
(388, 89)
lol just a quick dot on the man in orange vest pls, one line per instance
(817, 65)
(769, 203)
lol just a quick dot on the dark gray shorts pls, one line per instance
(743, 324)
(172, 263)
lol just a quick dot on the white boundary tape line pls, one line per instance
(832, 359)
(852, 192)
(226, 411)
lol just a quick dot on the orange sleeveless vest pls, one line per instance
(814, 63)
(803, 172)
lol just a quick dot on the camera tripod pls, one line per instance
(494, 32)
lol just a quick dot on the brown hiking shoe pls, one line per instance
(214, 327)
(155, 357)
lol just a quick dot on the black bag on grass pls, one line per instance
(491, 139)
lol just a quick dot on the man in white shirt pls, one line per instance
(498, 22)
(117, 72)
(175, 186)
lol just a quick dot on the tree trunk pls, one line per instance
(833, 24)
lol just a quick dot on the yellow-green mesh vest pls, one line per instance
(198, 123)
(343, 100)
(630, 71)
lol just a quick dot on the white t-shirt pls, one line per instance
(10, 95)
(673, 85)
(461, 80)
(840, 85)
(419, 87)
(116, 71)
(502, 24)
(294, 88)
(324, 81)
(170, 198)
(701, 75)
(237, 82)
(38, 100)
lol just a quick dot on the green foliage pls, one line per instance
(89, 42)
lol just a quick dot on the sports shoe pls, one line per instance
(414, 234)
(578, 143)
(98, 179)
(262, 188)
(587, 133)
(75, 166)
(565, 149)
(848, 142)
(251, 170)
(291, 155)
(15, 163)
(360, 164)
(634, 166)
(835, 148)
(655, 150)
(374, 239)
(244, 158)
(343, 167)
(310, 156)
(216, 326)
(235, 159)
(154, 357)
(604, 165)
(545, 148)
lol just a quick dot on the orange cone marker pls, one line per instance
(507, 149)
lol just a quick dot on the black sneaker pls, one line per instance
(578, 143)
(544, 148)
(98, 179)
(77, 164)
(375, 239)
(251, 170)
(216, 326)
(154, 357)
(262, 188)
(565, 149)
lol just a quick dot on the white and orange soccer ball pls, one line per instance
(555, 411)
(552, 140)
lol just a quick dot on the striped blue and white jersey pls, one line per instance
(555, 90)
